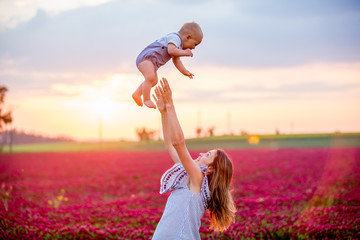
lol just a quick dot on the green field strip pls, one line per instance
(226, 142)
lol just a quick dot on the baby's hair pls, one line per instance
(191, 28)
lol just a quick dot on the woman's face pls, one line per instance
(206, 158)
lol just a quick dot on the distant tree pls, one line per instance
(198, 131)
(277, 131)
(243, 132)
(145, 134)
(5, 117)
(211, 131)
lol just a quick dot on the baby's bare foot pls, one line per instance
(137, 99)
(150, 104)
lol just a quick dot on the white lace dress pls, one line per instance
(184, 209)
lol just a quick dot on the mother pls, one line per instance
(200, 184)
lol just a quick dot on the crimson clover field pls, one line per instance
(299, 193)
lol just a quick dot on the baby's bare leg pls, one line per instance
(137, 95)
(148, 70)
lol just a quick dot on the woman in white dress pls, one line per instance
(197, 184)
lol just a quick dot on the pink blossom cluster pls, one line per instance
(279, 193)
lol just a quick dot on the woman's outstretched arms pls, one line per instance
(177, 138)
(165, 127)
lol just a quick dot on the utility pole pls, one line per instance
(229, 123)
(199, 119)
(12, 130)
(100, 131)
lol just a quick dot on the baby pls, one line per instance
(173, 45)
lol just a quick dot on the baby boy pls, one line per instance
(173, 45)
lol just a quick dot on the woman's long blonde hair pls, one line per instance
(221, 207)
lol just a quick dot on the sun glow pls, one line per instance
(101, 97)
(103, 106)
(74, 108)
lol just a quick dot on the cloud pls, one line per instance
(15, 12)
(320, 81)
(108, 37)
(211, 84)
(117, 88)
(245, 93)
(299, 88)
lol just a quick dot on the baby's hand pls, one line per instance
(188, 53)
(188, 74)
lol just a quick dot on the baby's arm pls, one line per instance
(180, 66)
(175, 52)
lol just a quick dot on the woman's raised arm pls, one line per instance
(165, 128)
(177, 137)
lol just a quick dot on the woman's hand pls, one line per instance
(159, 100)
(165, 92)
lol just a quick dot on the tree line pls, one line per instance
(9, 137)
(21, 137)
(145, 134)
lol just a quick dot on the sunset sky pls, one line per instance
(262, 65)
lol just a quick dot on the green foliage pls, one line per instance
(226, 142)
(5, 117)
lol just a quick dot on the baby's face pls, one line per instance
(191, 41)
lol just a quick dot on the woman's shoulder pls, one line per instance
(172, 177)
